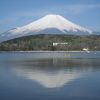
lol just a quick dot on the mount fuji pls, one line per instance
(49, 24)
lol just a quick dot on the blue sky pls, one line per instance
(15, 13)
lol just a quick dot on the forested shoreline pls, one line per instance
(45, 42)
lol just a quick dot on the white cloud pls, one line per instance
(60, 9)
(28, 16)
(77, 9)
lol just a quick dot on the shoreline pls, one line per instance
(40, 51)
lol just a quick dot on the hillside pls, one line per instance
(45, 42)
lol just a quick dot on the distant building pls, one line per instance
(61, 43)
(85, 49)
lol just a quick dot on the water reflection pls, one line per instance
(54, 73)
(32, 76)
(46, 79)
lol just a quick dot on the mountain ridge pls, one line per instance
(49, 24)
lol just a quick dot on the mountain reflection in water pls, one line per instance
(53, 73)
(49, 76)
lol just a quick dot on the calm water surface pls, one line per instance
(49, 76)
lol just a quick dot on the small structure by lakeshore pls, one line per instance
(59, 43)
(86, 49)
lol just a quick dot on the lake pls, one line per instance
(50, 75)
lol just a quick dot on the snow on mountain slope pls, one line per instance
(50, 24)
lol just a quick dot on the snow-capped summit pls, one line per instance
(49, 24)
